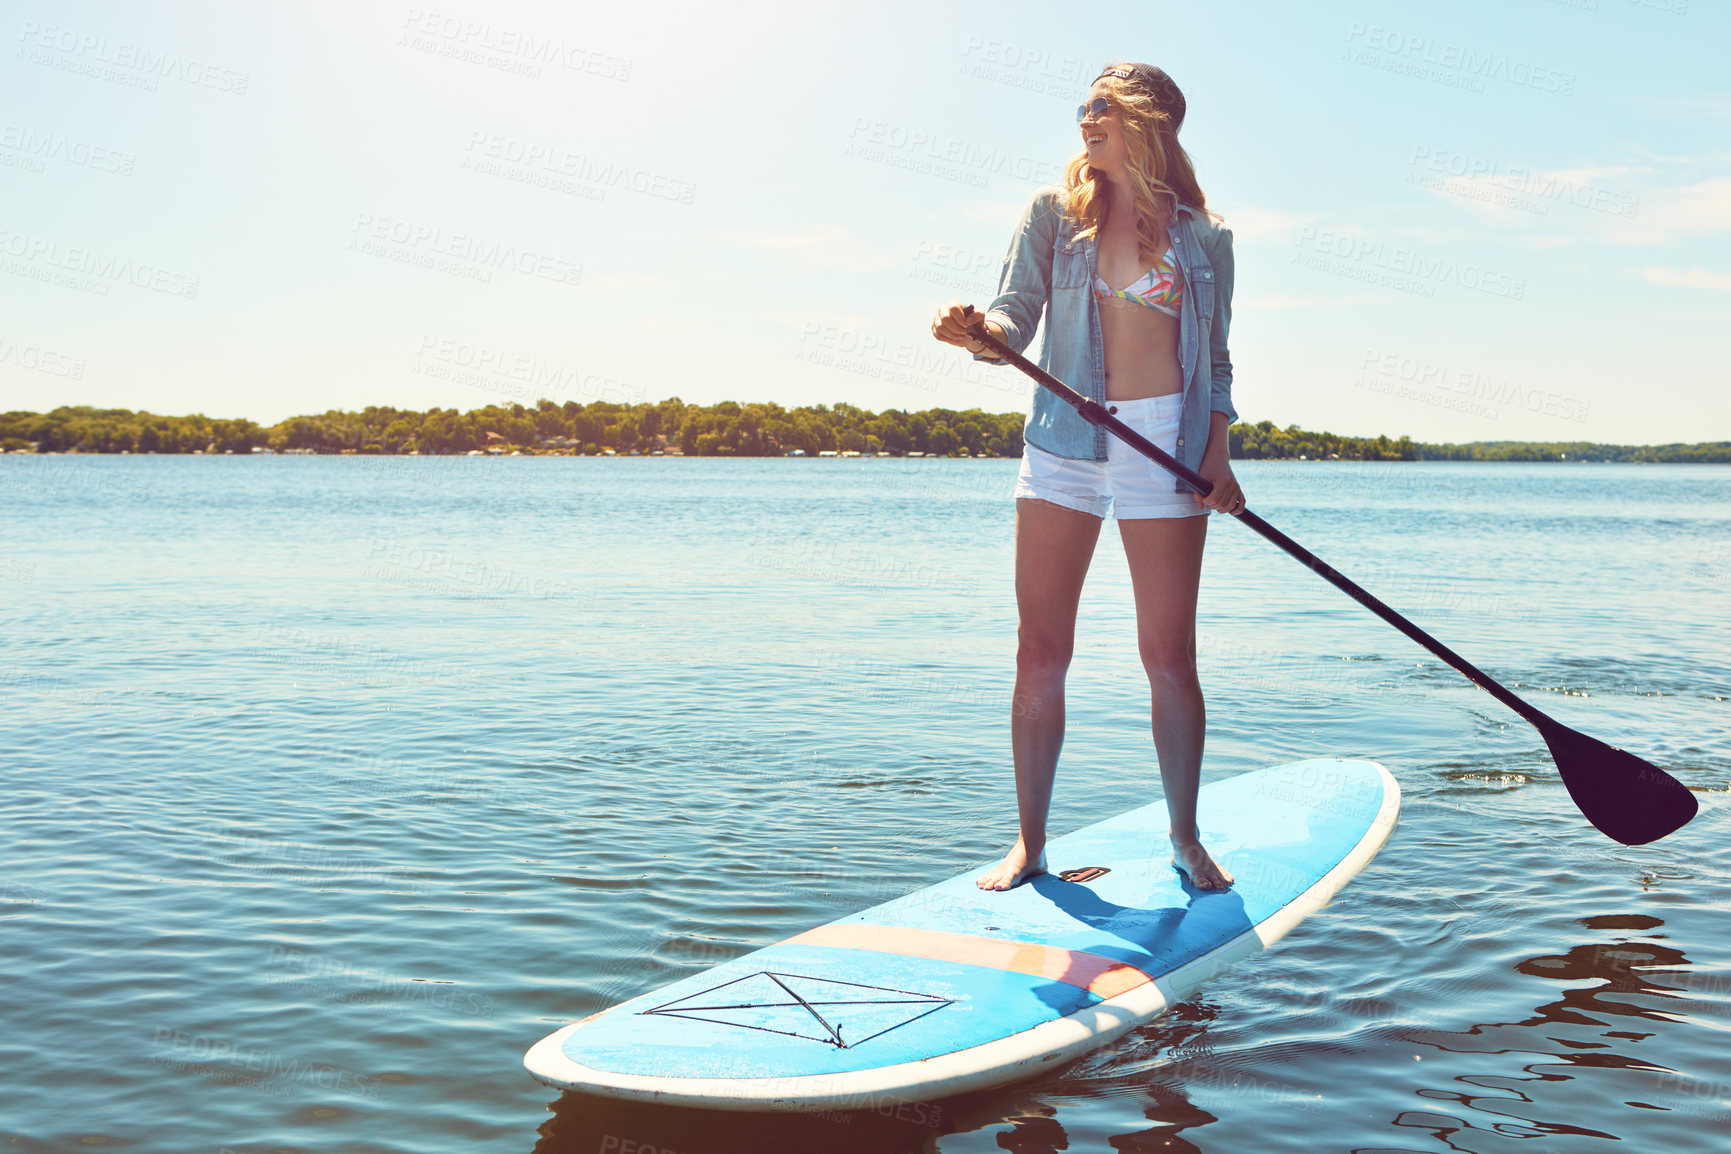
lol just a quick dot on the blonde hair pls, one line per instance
(1160, 173)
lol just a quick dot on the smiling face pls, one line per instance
(1104, 137)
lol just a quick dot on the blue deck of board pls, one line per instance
(1278, 831)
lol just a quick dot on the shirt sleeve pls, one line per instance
(1220, 386)
(1025, 281)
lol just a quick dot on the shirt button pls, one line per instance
(1180, 440)
(1112, 408)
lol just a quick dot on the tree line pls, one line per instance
(720, 430)
(725, 429)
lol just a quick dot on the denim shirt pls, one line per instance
(1048, 270)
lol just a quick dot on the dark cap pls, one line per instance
(1156, 84)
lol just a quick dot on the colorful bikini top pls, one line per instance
(1158, 288)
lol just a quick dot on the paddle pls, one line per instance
(1627, 798)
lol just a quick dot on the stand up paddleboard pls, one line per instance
(953, 988)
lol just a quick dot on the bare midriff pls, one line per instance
(1141, 344)
(1141, 347)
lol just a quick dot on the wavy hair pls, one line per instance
(1160, 173)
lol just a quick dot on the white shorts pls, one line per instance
(1126, 483)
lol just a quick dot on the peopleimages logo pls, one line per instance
(231, 1062)
(41, 360)
(1376, 258)
(37, 146)
(476, 40)
(912, 363)
(935, 153)
(341, 980)
(462, 253)
(495, 154)
(1425, 57)
(89, 268)
(541, 377)
(1512, 184)
(1017, 66)
(1466, 390)
(94, 55)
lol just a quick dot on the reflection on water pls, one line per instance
(1612, 981)
(1163, 1065)
(582, 1124)
(1022, 1117)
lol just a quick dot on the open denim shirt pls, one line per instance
(1048, 269)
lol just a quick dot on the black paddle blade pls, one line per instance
(1628, 799)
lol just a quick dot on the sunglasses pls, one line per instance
(1095, 109)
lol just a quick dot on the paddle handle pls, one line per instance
(1095, 413)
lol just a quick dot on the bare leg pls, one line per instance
(1165, 555)
(1053, 548)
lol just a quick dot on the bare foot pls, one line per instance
(1013, 870)
(1189, 856)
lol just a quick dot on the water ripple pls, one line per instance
(356, 778)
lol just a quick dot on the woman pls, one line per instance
(1154, 351)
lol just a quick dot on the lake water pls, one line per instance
(332, 784)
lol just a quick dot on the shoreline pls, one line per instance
(726, 429)
(566, 453)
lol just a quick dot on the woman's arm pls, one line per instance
(1025, 281)
(1220, 384)
(1216, 466)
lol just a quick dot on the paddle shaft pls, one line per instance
(1095, 413)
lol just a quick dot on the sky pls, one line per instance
(1463, 221)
